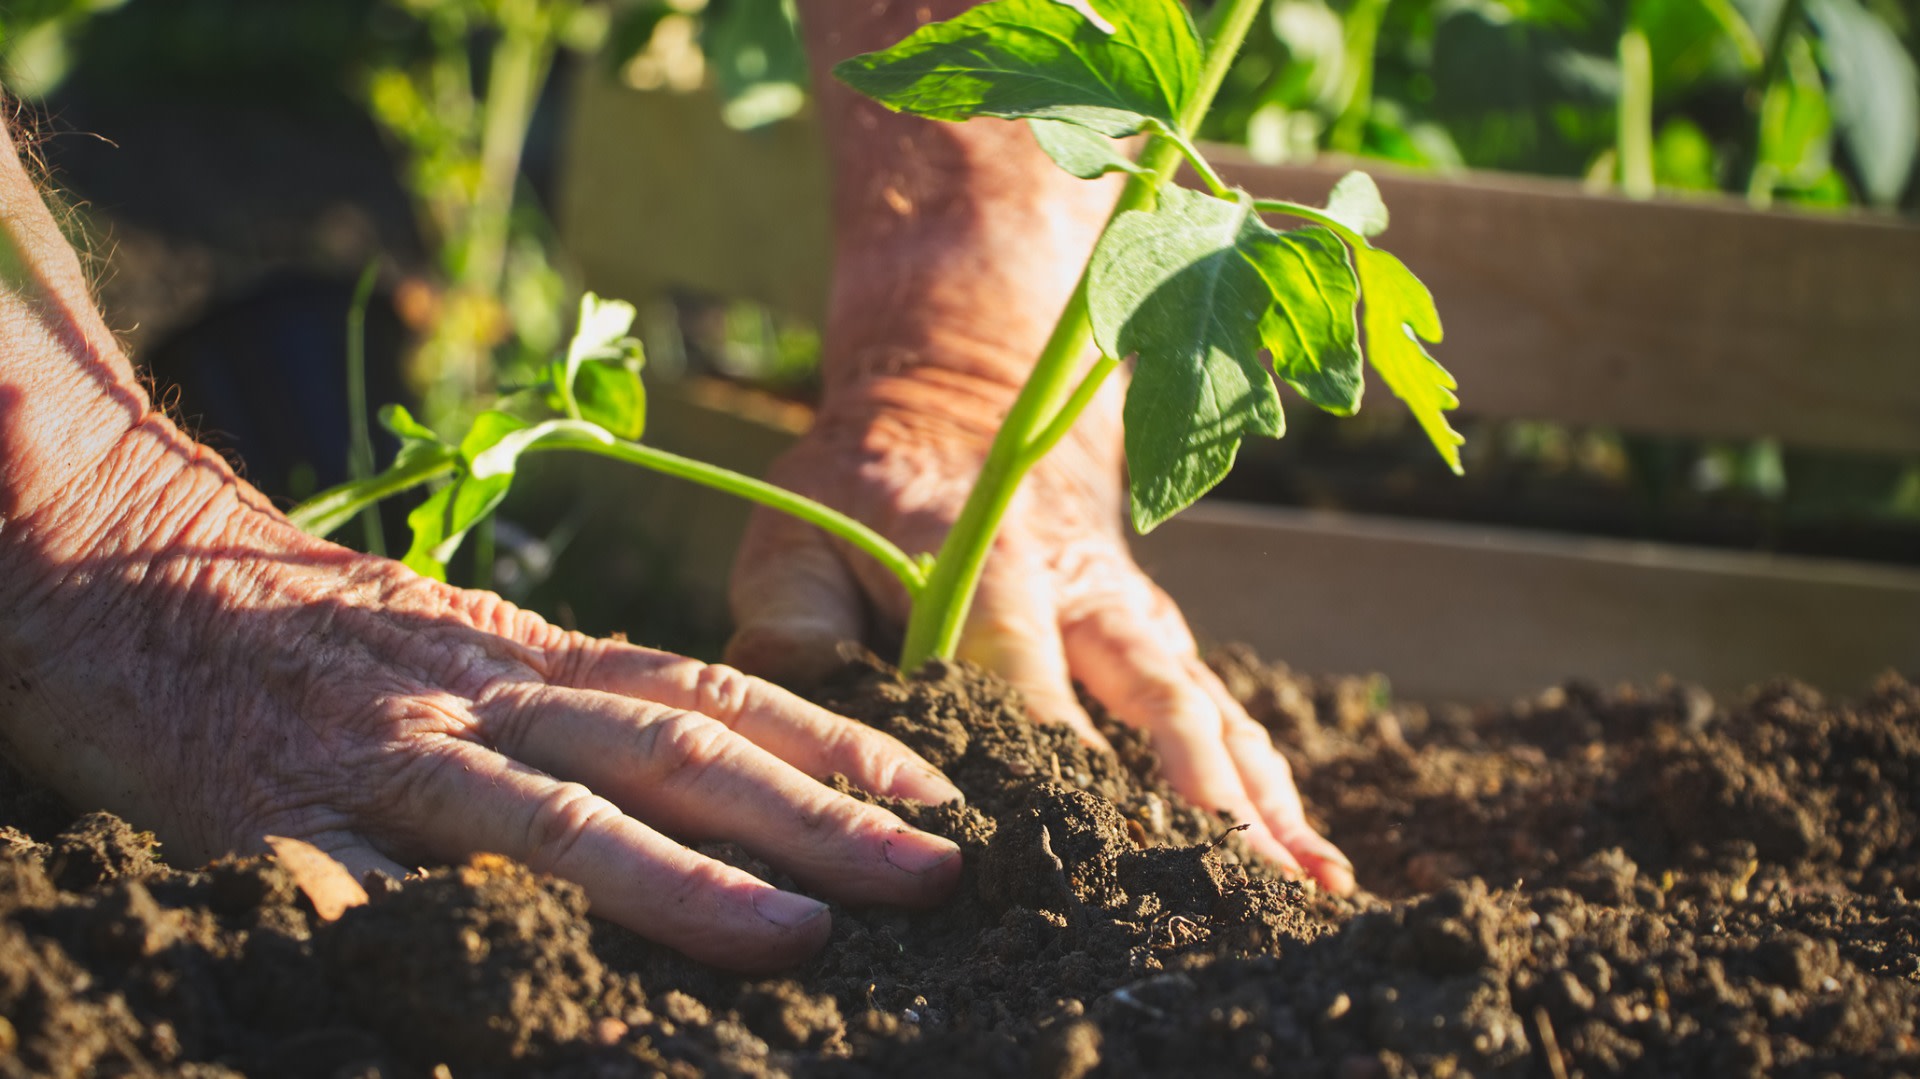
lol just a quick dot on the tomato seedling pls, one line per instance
(1194, 286)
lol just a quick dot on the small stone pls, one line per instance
(1067, 1051)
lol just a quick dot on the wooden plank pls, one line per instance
(1697, 317)
(1692, 317)
(1451, 612)
(657, 194)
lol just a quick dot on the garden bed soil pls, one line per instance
(1646, 882)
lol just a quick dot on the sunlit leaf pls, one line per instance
(1311, 326)
(1080, 151)
(611, 394)
(1356, 203)
(1399, 315)
(1876, 94)
(1172, 287)
(1040, 59)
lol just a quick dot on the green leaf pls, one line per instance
(1080, 151)
(1041, 59)
(599, 380)
(443, 520)
(1175, 287)
(419, 445)
(1876, 94)
(487, 431)
(612, 395)
(1311, 328)
(1796, 124)
(502, 455)
(760, 67)
(1356, 203)
(398, 420)
(602, 330)
(1399, 314)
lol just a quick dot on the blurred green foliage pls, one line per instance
(458, 103)
(1812, 102)
(36, 41)
(750, 50)
(1809, 101)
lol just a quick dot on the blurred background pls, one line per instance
(233, 167)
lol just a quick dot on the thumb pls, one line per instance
(793, 600)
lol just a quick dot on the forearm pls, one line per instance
(67, 393)
(84, 458)
(956, 245)
(103, 504)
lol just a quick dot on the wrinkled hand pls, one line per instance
(955, 248)
(1061, 598)
(175, 651)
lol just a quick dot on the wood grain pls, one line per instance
(1452, 612)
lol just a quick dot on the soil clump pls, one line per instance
(1639, 881)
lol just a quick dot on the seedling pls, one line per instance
(1194, 286)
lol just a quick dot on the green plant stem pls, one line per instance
(1734, 25)
(1362, 25)
(882, 550)
(1761, 178)
(332, 508)
(1791, 13)
(485, 549)
(1634, 124)
(1063, 420)
(517, 68)
(1051, 399)
(1201, 166)
(1309, 213)
(359, 435)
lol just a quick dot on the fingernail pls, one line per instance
(1337, 876)
(919, 853)
(785, 909)
(926, 786)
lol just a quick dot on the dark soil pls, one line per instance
(1639, 882)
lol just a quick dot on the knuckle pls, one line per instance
(835, 818)
(505, 714)
(399, 791)
(722, 692)
(559, 820)
(681, 747)
(568, 658)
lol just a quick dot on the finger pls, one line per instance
(797, 731)
(1268, 780)
(794, 602)
(689, 774)
(1117, 657)
(468, 799)
(1014, 631)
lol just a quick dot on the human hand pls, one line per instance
(956, 247)
(1061, 597)
(173, 650)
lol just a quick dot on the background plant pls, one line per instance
(37, 39)
(460, 128)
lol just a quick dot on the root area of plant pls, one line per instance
(1638, 882)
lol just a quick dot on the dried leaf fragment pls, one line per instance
(327, 884)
